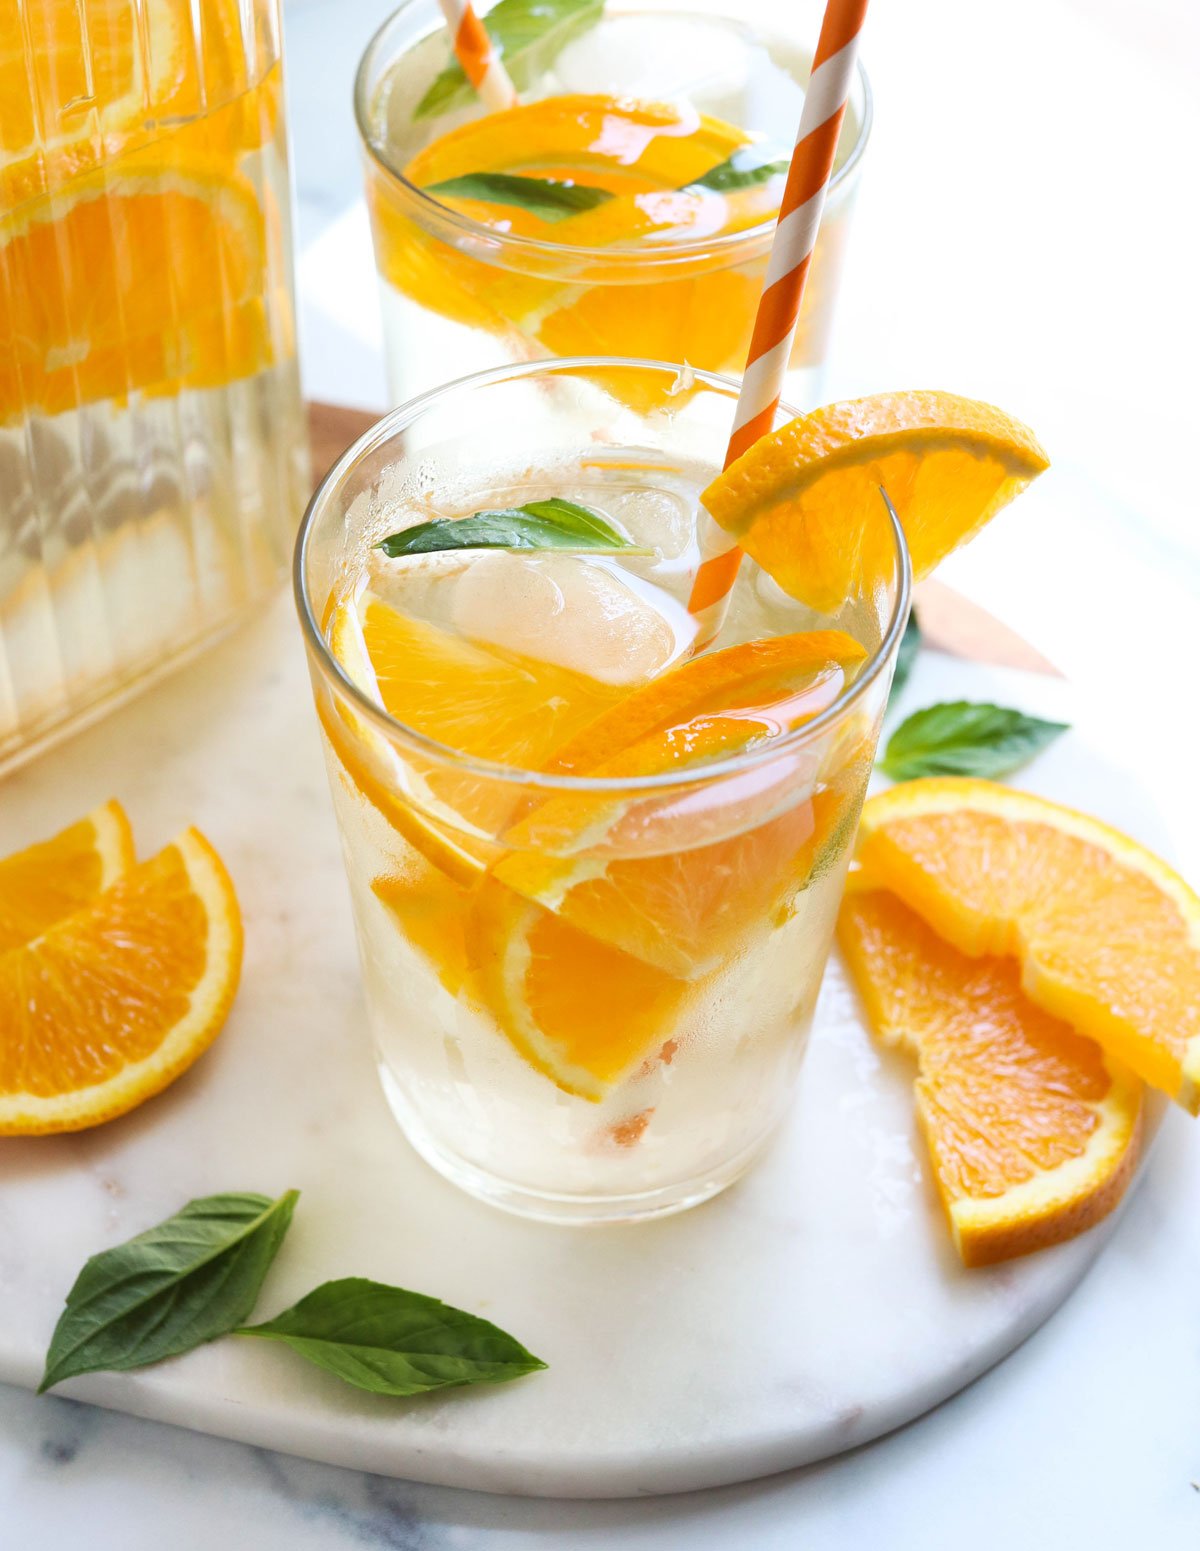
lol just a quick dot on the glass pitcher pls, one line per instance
(152, 444)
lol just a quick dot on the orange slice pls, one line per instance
(431, 910)
(644, 153)
(153, 281)
(804, 500)
(508, 709)
(687, 907)
(86, 81)
(737, 697)
(107, 1007)
(1107, 936)
(54, 878)
(1032, 1129)
(583, 1013)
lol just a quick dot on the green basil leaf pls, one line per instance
(190, 1279)
(528, 35)
(549, 198)
(906, 654)
(746, 168)
(394, 1342)
(964, 738)
(552, 524)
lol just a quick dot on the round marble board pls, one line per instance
(814, 1306)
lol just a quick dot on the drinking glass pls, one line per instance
(465, 286)
(531, 1061)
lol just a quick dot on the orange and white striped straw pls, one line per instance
(477, 55)
(783, 287)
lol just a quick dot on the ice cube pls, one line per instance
(658, 58)
(574, 611)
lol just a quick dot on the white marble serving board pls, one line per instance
(809, 1309)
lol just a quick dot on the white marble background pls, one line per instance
(1027, 233)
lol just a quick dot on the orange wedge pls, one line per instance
(687, 907)
(583, 1013)
(108, 1006)
(1033, 1130)
(804, 501)
(1107, 936)
(54, 878)
(152, 281)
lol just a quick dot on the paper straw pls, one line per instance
(476, 54)
(783, 287)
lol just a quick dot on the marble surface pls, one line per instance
(981, 260)
(811, 1308)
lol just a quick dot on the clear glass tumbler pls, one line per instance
(152, 442)
(626, 1051)
(628, 108)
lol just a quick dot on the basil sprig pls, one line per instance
(550, 524)
(197, 1276)
(394, 1342)
(550, 198)
(528, 35)
(749, 166)
(186, 1281)
(554, 200)
(966, 738)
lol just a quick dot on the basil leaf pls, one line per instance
(906, 654)
(528, 35)
(190, 1279)
(961, 737)
(552, 524)
(394, 1342)
(746, 168)
(549, 198)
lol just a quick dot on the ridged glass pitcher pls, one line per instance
(152, 449)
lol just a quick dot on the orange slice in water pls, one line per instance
(1033, 1130)
(583, 1013)
(644, 154)
(804, 500)
(83, 82)
(108, 1006)
(54, 878)
(506, 709)
(691, 904)
(1107, 936)
(154, 281)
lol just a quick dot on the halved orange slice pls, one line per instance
(583, 1013)
(1107, 935)
(804, 500)
(83, 82)
(54, 878)
(1033, 1130)
(692, 900)
(148, 280)
(108, 1006)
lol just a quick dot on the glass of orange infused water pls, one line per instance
(624, 207)
(152, 455)
(594, 869)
